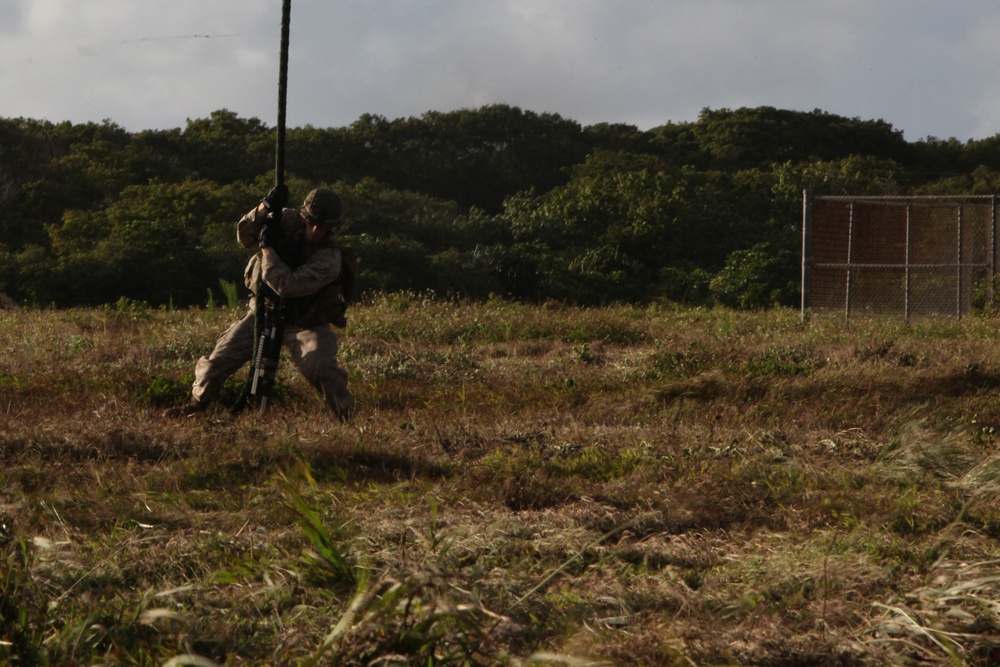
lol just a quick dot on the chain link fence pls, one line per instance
(906, 256)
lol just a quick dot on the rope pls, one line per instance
(279, 148)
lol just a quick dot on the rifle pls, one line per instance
(269, 307)
(269, 329)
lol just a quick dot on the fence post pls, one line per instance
(960, 258)
(993, 249)
(807, 222)
(907, 272)
(850, 261)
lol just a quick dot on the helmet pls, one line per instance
(324, 208)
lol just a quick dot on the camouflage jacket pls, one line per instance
(307, 282)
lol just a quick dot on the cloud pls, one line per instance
(927, 67)
(978, 57)
(12, 16)
(138, 64)
(593, 60)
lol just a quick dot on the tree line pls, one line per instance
(474, 203)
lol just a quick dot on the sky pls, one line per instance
(930, 68)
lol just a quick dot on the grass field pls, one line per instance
(522, 485)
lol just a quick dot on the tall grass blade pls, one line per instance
(329, 553)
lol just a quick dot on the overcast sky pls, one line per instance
(928, 67)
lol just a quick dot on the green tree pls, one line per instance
(327, 155)
(855, 175)
(608, 233)
(226, 148)
(746, 138)
(409, 241)
(756, 278)
(157, 243)
(475, 157)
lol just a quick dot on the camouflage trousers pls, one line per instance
(313, 350)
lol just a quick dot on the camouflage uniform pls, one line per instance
(315, 303)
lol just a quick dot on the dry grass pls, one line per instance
(523, 485)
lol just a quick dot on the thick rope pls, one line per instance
(279, 148)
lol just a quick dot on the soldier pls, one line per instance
(306, 274)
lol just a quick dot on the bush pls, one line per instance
(756, 278)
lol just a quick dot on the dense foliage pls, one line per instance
(475, 202)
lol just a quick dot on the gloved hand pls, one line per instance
(277, 198)
(270, 233)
